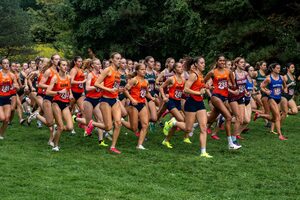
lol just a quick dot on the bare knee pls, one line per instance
(145, 125)
(118, 124)
(69, 127)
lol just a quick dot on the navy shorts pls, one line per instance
(110, 101)
(276, 100)
(139, 106)
(5, 101)
(287, 96)
(61, 105)
(76, 95)
(41, 95)
(49, 98)
(220, 97)
(193, 106)
(240, 101)
(247, 100)
(94, 102)
(172, 103)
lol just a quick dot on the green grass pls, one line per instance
(265, 168)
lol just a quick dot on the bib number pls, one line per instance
(222, 85)
(5, 88)
(143, 93)
(277, 91)
(178, 94)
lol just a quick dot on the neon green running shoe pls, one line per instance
(102, 144)
(168, 126)
(205, 155)
(187, 140)
(73, 118)
(167, 144)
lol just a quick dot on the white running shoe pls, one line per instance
(51, 144)
(55, 148)
(32, 117)
(234, 147)
(141, 147)
(1, 138)
(73, 132)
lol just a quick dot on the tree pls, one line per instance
(14, 25)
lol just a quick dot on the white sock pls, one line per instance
(233, 138)
(203, 150)
(229, 140)
(195, 125)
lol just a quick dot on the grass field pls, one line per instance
(265, 168)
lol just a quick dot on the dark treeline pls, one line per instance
(258, 30)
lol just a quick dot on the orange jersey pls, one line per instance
(94, 94)
(5, 84)
(60, 85)
(138, 92)
(112, 81)
(40, 90)
(197, 86)
(220, 82)
(176, 90)
(78, 87)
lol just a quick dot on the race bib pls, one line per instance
(143, 93)
(5, 88)
(277, 91)
(222, 85)
(64, 95)
(80, 85)
(178, 94)
(291, 92)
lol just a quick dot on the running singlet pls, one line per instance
(275, 87)
(176, 90)
(249, 88)
(138, 92)
(96, 93)
(60, 85)
(112, 81)
(151, 77)
(291, 88)
(40, 90)
(241, 86)
(5, 85)
(197, 86)
(220, 82)
(78, 87)
(259, 79)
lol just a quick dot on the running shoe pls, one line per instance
(89, 129)
(114, 150)
(73, 132)
(141, 147)
(256, 115)
(233, 147)
(1, 138)
(205, 155)
(236, 143)
(187, 140)
(22, 121)
(32, 117)
(209, 131)
(51, 144)
(167, 144)
(215, 137)
(281, 137)
(39, 124)
(273, 132)
(239, 137)
(102, 144)
(137, 134)
(73, 118)
(55, 148)
(168, 126)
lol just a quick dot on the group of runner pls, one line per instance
(104, 96)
